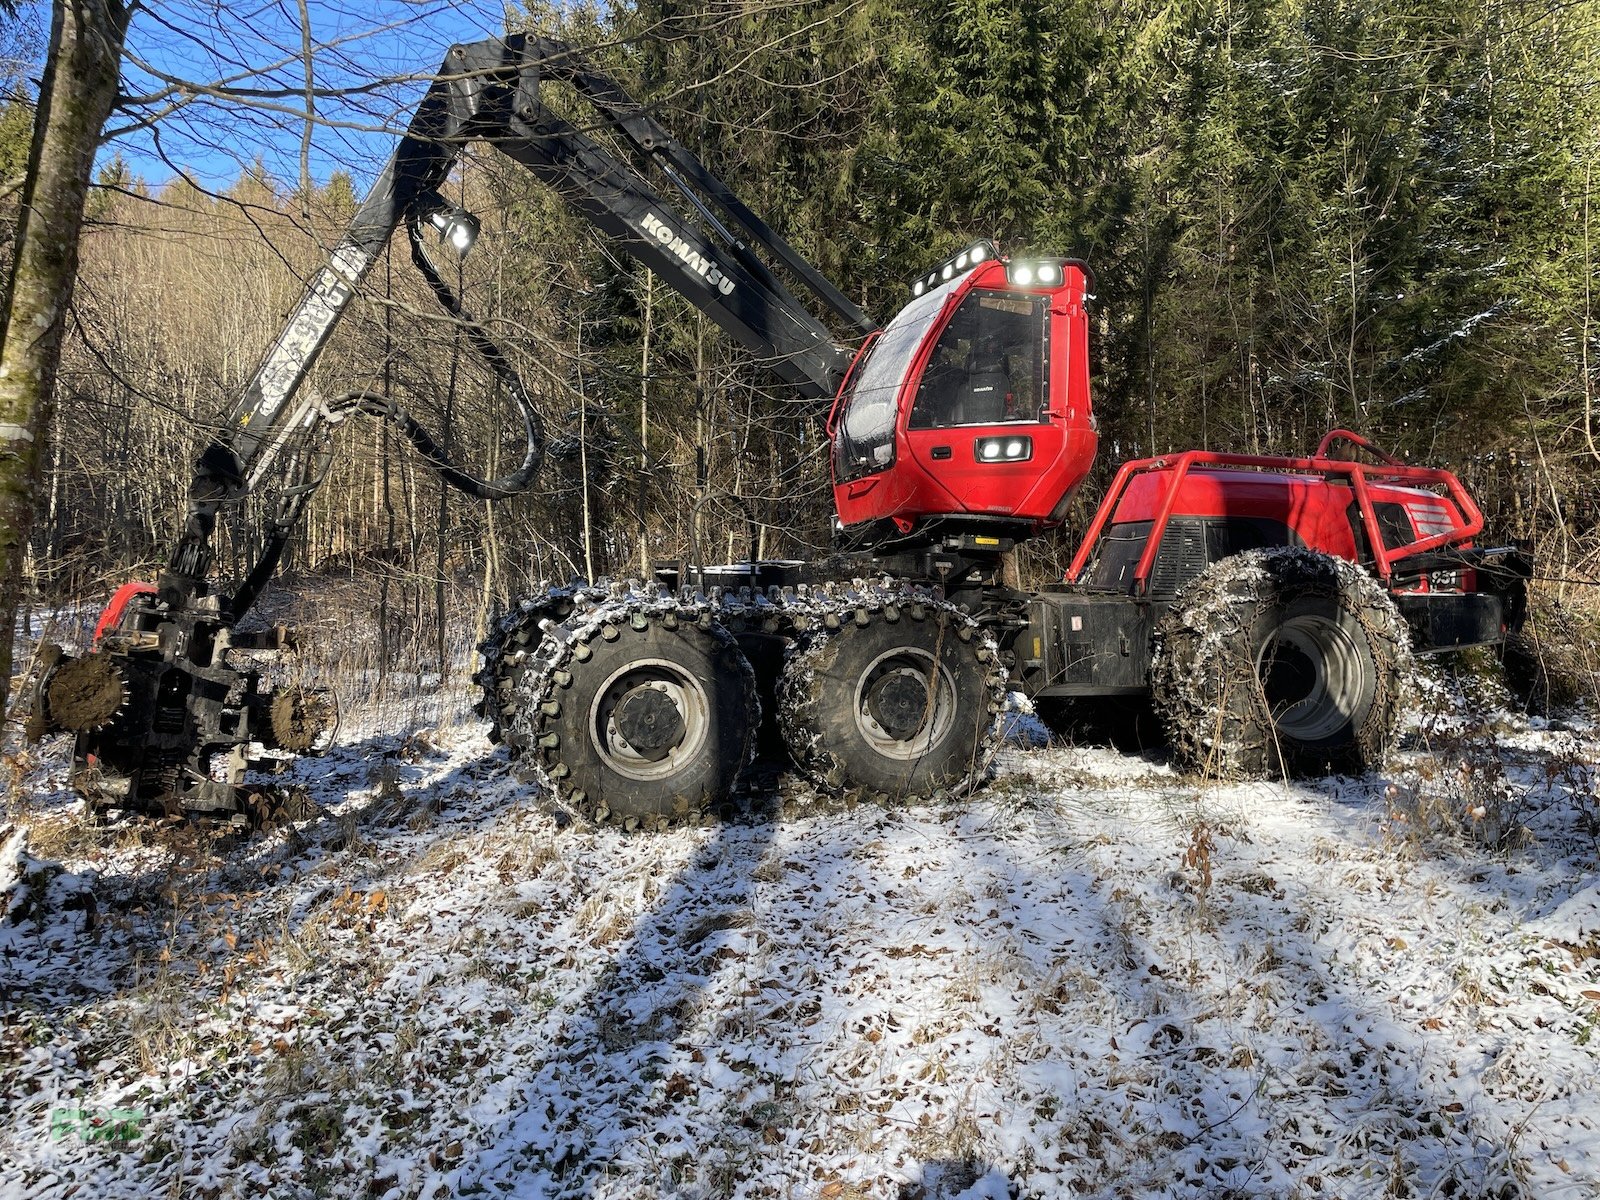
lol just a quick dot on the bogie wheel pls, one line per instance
(642, 717)
(513, 650)
(1281, 662)
(897, 701)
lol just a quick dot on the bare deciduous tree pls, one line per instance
(80, 85)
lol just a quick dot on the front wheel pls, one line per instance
(900, 700)
(1281, 662)
(641, 717)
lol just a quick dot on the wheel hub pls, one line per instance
(905, 703)
(1310, 672)
(649, 721)
(650, 718)
(899, 702)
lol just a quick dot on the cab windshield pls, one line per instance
(863, 442)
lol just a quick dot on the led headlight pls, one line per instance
(1003, 449)
(1048, 272)
(953, 267)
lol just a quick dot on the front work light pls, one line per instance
(1003, 449)
(951, 268)
(1042, 272)
(457, 228)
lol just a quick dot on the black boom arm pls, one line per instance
(489, 91)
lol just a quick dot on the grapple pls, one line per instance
(171, 709)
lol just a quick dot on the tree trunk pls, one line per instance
(80, 84)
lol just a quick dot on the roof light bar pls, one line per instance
(973, 256)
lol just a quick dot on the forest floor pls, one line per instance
(1096, 977)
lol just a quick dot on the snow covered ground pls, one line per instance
(1095, 978)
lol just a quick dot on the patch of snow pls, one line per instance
(1095, 977)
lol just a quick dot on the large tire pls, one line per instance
(643, 717)
(1281, 662)
(897, 700)
(512, 651)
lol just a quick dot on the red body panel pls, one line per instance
(111, 618)
(916, 485)
(1324, 501)
(1317, 510)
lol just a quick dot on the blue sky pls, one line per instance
(256, 46)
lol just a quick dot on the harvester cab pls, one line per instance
(969, 413)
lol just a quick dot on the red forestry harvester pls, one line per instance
(1266, 605)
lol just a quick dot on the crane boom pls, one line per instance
(159, 701)
(489, 92)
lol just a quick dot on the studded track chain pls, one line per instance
(863, 603)
(516, 646)
(531, 651)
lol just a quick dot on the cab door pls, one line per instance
(979, 428)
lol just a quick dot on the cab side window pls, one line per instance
(989, 366)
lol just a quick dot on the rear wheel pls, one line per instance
(1281, 662)
(643, 717)
(898, 700)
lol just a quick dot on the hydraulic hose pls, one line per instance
(313, 467)
(378, 405)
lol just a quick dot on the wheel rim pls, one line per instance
(1311, 674)
(650, 719)
(892, 708)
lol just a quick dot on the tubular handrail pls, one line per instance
(1359, 474)
(1334, 436)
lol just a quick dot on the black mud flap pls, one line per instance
(1453, 621)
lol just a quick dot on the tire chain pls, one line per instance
(1196, 616)
(597, 612)
(516, 645)
(527, 658)
(861, 603)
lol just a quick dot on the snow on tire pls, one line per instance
(1281, 662)
(895, 699)
(513, 650)
(643, 716)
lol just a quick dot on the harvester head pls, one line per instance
(169, 709)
